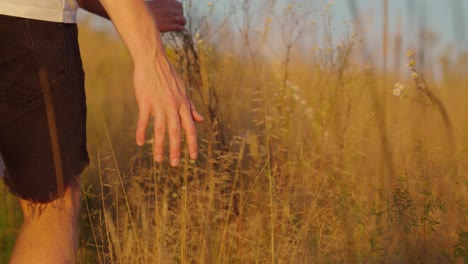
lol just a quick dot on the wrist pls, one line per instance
(156, 60)
(145, 46)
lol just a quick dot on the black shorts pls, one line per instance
(42, 107)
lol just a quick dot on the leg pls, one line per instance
(49, 231)
(43, 134)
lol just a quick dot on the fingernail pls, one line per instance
(175, 162)
(140, 143)
(158, 158)
(194, 155)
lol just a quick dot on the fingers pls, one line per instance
(171, 27)
(172, 23)
(184, 118)
(173, 123)
(178, 16)
(173, 9)
(190, 130)
(165, 2)
(168, 12)
(181, 20)
(176, 4)
(142, 123)
(195, 115)
(159, 133)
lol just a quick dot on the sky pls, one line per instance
(446, 18)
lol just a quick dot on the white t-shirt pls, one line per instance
(63, 11)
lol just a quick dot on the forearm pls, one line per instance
(159, 91)
(137, 28)
(93, 6)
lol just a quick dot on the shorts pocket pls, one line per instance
(37, 44)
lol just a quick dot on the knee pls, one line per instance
(66, 206)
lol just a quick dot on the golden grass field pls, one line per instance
(303, 159)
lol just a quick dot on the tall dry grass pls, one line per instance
(305, 157)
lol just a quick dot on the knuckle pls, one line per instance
(158, 151)
(140, 131)
(143, 112)
(192, 142)
(185, 105)
(175, 152)
(193, 137)
(190, 131)
(173, 102)
(175, 131)
(159, 129)
(141, 126)
(158, 146)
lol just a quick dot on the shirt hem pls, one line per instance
(38, 13)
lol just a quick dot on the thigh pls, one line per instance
(43, 109)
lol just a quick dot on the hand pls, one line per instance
(161, 93)
(169, 14)
(158, 89)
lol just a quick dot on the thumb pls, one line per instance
(195, 115)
